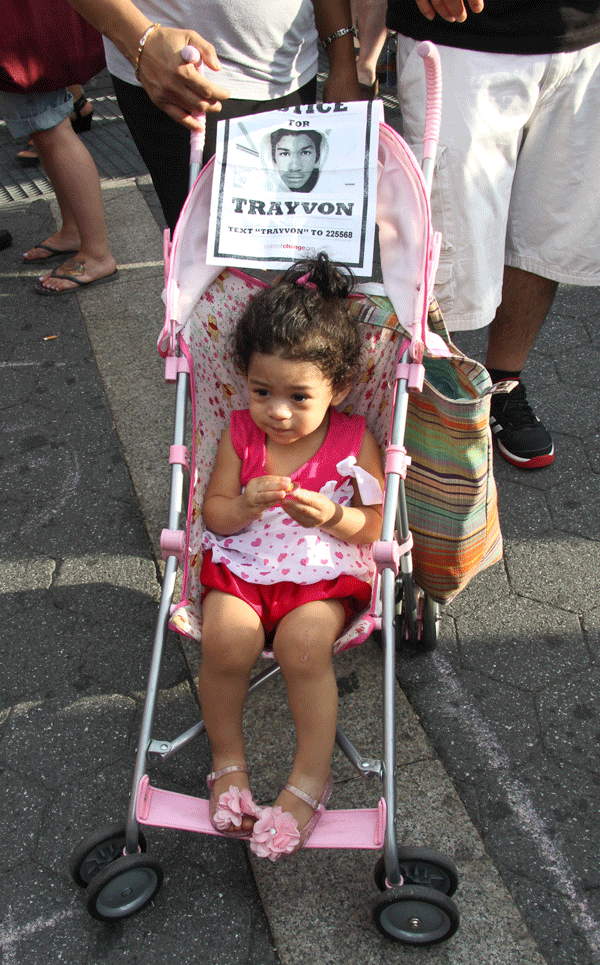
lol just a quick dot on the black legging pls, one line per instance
(164, 144)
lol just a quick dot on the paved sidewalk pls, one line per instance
(84, 500)
(79, 589)
(87, 422)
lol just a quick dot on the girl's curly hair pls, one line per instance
(304, 316)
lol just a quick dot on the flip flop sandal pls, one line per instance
(41, 290)
(28, 156)
(81, 122)
(54, 253)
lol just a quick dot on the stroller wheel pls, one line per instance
(423, 867)
(415, 916)
(125, 886)
(430, 624)
(97, 850)
(422, 636)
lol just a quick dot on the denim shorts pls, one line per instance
(27, 113)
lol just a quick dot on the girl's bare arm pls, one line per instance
(226, 508)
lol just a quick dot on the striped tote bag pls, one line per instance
(450, 488)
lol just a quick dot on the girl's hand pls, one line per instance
(262, 492)
(310, 509)
(226, 509)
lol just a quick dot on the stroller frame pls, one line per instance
(415, 906)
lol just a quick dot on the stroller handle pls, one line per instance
(192, 56)
(433, 111)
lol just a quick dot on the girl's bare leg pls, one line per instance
(303, 645)
(232, 641)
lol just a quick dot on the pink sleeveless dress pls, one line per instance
(276, 548)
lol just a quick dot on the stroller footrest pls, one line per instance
(362, 829)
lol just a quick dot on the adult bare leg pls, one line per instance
(66, 238)
(522, 438)
(74, 177)
(526, 301)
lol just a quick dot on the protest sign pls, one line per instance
(291, 182)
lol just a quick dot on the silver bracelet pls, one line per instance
(338, 33)
(143, 40)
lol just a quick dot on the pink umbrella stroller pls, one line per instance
(414, 904)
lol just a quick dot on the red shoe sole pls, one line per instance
(537, 462)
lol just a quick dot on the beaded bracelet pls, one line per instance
(143, 40)
(338, 33)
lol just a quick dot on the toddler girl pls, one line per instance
(291, 507)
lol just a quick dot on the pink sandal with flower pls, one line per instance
(228, 811)
(276, 833)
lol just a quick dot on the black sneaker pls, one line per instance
(522, 439)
